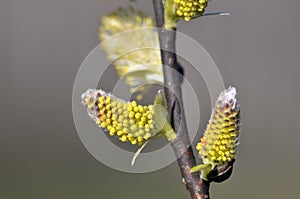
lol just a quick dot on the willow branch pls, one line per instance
(198, 188)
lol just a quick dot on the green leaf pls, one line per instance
(199, 167)
(160, 117)
(169, 132)
(137, 153)
(160, 112)
(159, 99)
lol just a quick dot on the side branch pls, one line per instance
(198, 188)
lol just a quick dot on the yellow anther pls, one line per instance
(133, 127)
(119, 133)
(140, 139)
(131, 114)
(133, 141)
(140, 108)
(101, 99)
(141, 124)
(131, 121)
(129, 108)
(134, 104)
(147, 136)
(137, 116)
(123, 138)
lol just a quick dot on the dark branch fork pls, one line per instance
(198, 188)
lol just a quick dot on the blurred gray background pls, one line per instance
(42, 46)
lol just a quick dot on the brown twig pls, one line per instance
(198, 188)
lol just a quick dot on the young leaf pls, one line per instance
(198, 167)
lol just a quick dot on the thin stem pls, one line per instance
(198, 188)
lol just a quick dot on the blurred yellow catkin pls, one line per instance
(135, 54)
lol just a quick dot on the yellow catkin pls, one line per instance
(129, 121)
(187, 9)
(218, 144)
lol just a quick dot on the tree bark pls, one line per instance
(198, 188)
